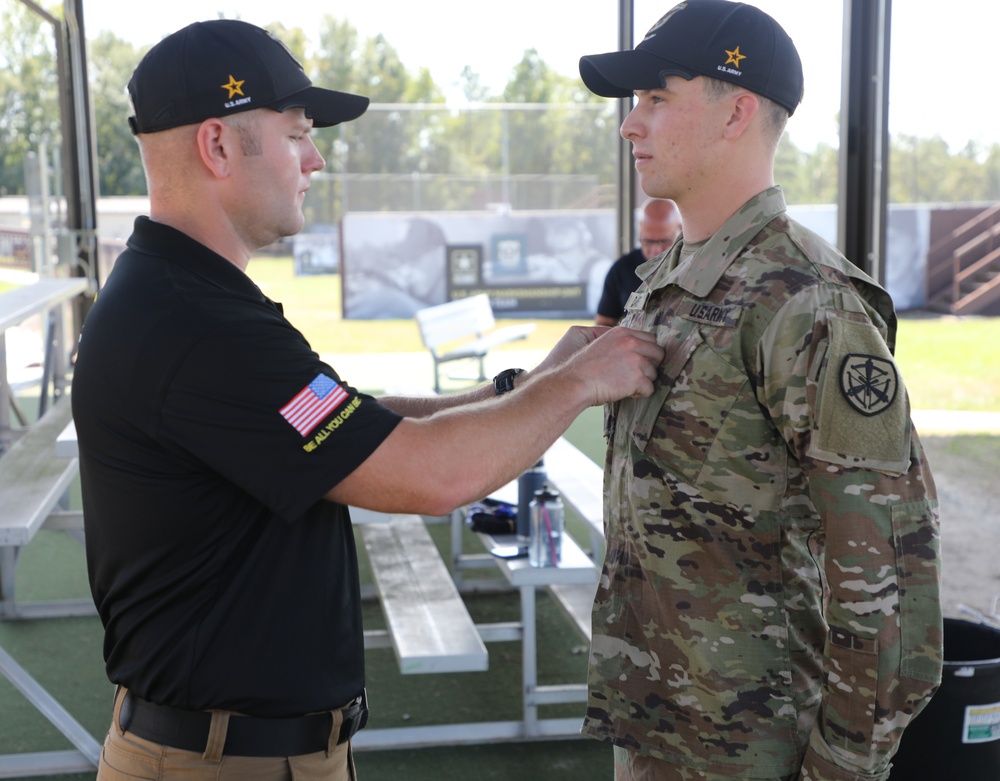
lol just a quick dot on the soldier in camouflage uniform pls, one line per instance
(768, 606)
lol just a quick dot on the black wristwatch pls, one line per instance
(504, 381)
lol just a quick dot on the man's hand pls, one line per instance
(615, 363)
(574, 340)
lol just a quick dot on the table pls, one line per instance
(575, 568)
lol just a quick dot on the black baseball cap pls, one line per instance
(733, 42)
(224, 66)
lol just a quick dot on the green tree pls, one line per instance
(474, 133)
(576, 134)
(822, 171)
(391, 138)
(383, 141)
(806, 177)
(336, 64)
(375, 144)
(528, 141)
(991, 172)
(425, 132)
(585, 133)
(29, 92)
(789, 171)
(918, 169)
(119, 167)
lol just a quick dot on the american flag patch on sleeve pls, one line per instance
(313, 404)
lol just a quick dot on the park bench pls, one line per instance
(430, 628)
(464, 328)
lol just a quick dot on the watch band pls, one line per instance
(504, 381)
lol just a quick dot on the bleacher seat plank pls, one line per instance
(19, 304)
(577, 601)
(580, 480)
(581, 483)
(431, 628)
(33, 478)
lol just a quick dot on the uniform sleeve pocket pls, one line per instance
(852, 683)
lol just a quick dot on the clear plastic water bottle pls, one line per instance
(530, 481)
(545, 548)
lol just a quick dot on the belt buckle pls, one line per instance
(355, 717)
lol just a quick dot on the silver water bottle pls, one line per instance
(545, 547)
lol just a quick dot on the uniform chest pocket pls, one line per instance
(696, 391)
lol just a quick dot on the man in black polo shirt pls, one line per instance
(659, 228)
(218, 453)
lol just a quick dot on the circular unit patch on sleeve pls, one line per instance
(869, 383)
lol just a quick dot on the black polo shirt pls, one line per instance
(209, 432)
(620, 283)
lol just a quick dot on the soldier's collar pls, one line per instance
(701, 272)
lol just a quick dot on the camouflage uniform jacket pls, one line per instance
(769, 602)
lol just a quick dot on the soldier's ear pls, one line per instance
(744, 106)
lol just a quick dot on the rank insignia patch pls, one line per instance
(869, 383)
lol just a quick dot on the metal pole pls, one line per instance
(79, 172)
(864, 135)
(625, 207)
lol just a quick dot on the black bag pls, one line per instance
(493, 517)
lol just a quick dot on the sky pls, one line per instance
(942, 55)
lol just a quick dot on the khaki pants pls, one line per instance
(126, 756)
(630, 766)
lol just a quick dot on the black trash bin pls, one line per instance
(957, 736)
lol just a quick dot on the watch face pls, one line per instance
(504, 381)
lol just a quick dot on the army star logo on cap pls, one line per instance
(235, 87)
(869, 383)
(734, 57)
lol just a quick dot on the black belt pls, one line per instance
(247, 736)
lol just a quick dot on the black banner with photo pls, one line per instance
(534, 264)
